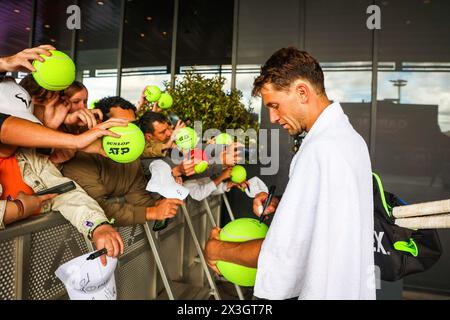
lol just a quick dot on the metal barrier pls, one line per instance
(162, 265)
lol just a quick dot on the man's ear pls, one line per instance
(303, 91)
(148, 136)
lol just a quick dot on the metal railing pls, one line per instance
(164, 265)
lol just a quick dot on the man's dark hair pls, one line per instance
(107, 103)
(146, 122)
(287, 65)
(35, 90)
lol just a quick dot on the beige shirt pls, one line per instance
(76, 206)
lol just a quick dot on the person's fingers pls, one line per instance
(172, 212)
(103, 260)
(109, 247)
(120, 241)
(116, 247)
(43, 49)
(258, 202)
(176, 201)
(113, 122)
(214, 234)
(47, 47)
(46, 197)
(97, 112)
(82, 118)
(52, 101)
(28, 66)
(100, 244)
(102, 133)
(90, 118)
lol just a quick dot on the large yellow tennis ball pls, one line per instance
(201, 167)
(186, 138)
(224, 138)
(56, 73)
(165, 101)
(152, 93)
(241, 230)
(238, 174)
(128, 147)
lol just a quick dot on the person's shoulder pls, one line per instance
(83, 159)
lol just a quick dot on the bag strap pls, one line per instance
(386, 205)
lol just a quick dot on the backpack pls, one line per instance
(399, 251)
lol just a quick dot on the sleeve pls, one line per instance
(154, 150)
(198, 190)
(138, 199)
(85, 171)
(76, 206)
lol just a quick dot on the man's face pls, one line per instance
(78, 101)
(118, 112)
(162, 132)
(285, 108)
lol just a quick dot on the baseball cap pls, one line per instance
(163, 182)
(15, 101)
(89, 279)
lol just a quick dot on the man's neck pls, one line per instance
(321, 104)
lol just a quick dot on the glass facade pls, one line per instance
(393, 83)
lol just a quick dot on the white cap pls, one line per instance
(15, 101)
(163, 182)
(89, 279)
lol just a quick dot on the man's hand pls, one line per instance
(32, 203)
(212, 249)
(225, 175)
(55, 112)
(84, 118)
(165, 208)
(171, 142)
(258, 204)
(105, 236)
(21, 61)
(241, 186)
(186, 168)
(155, 107)
(90, 142)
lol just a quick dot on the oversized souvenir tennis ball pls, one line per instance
(56, 73)
(224, 138)
(238, 174)
(128, 147)
(240, 230)
(186, 138)
(165, 101)
(152, 93)
(201, 167)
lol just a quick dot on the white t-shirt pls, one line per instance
(320, 242)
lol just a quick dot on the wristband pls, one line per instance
(98, 224)
(20, 207)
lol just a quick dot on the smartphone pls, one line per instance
(59, 189)
(160, 224)
(173, 118)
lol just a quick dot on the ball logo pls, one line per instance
(128, 147)
(117, 151)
